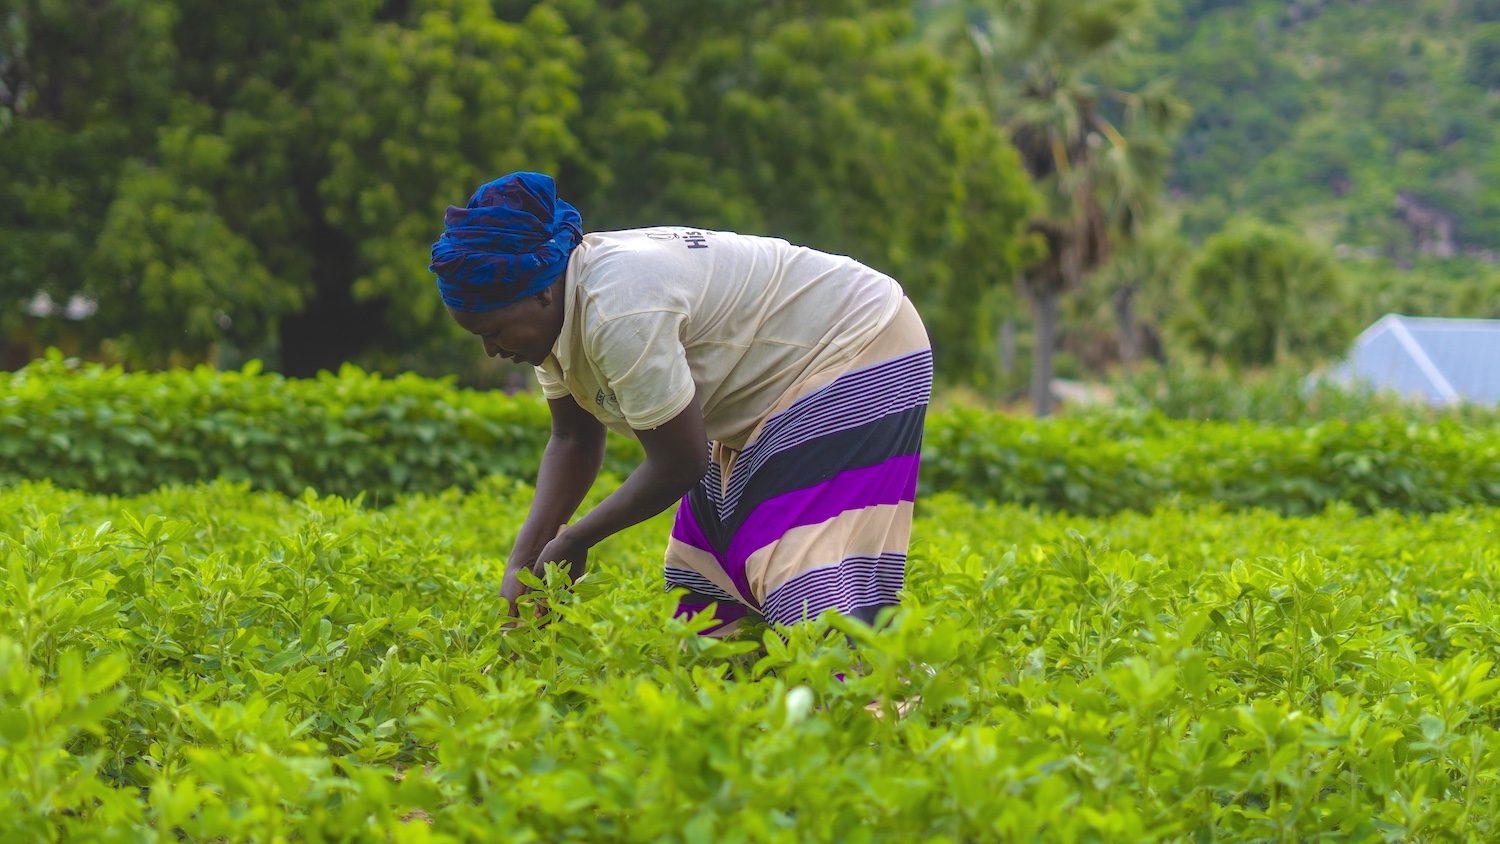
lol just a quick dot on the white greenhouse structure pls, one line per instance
(1442, 361)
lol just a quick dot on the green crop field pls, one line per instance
(255, 510)
(212, 661)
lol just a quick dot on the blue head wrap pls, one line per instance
(512, 241)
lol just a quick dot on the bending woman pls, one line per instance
(778, 392)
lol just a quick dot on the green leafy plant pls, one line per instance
(359, 435)
(210, 663)
(1283, 396)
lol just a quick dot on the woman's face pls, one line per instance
(524, 332)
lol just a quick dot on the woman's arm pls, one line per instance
(570, 463)
(676, 460)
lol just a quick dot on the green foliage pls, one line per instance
(208, 663)
(1280, 396)
(1482, 66)
(1104, 463)
(43, 715)
(1053, 74)
(348, 434)
(181, 270)
(1320, 114)
(356, 434)
(1460, 288)
(1127, 304)
(236, 179)
(396, 161)
(1257, 294)
(825, 122)
(230, 178)
(62, 145)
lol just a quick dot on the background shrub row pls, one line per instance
(104, 430)
(1103, 464)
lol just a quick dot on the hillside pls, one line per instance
(1369, 124)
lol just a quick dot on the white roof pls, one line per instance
(1443, 361)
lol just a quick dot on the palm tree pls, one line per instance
(1097, 154)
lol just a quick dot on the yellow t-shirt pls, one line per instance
(654, 316)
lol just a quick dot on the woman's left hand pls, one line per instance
(564, 549)
(676, 460)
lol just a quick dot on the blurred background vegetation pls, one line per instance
(1065, 187)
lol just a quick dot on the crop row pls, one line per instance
(351, 434)
(214, 663)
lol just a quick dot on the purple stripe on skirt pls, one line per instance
(890, 482)
(687, 530)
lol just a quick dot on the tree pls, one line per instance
(1258, 294)
(1482, 66)
(414, 114)
(1098, 154)
(81, 90)
(820, 121)
(157, 161)
(266, 176)
(1462, 288)
(1139, 282)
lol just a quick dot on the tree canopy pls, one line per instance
(216, 180)
(1262, 294)
(1055, 74)
(236, 178)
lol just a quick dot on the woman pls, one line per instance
(778, 393)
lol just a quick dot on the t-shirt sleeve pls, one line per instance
(643, 361)
(552, 385)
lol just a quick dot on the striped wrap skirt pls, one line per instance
(814, 512)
